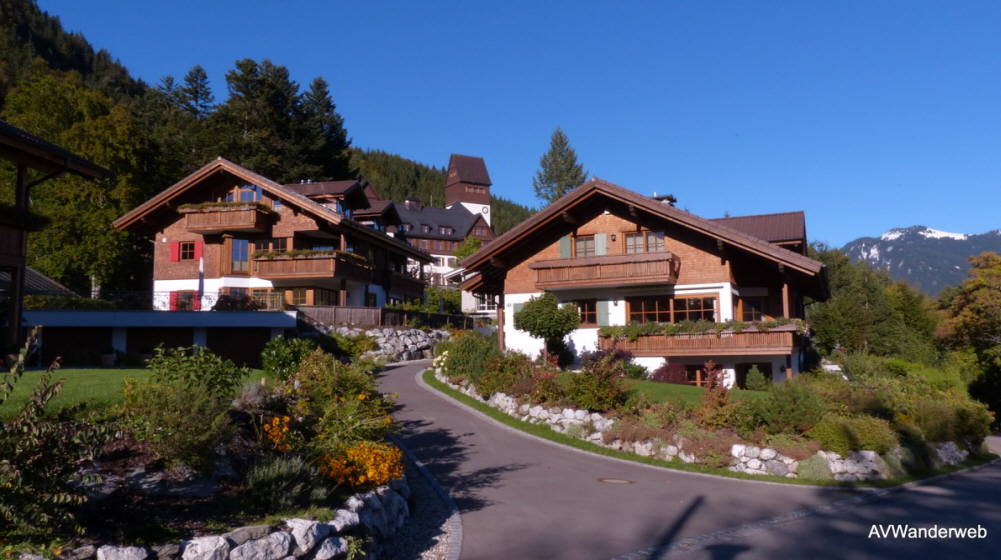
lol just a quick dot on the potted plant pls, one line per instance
(108, 357)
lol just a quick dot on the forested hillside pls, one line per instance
(55, 85)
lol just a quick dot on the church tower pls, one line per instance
(467, 183)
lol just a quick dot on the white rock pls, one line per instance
(206, 548)
(686, 457)
(120, 553)
(670, 450)
(752, 452)
(767, 454)
(568, 413)
(868, 455)
(354, 503)
(643, 449)
(754, 464)
(274, 547)
(580, 415)
(737, 450)
(307, 533)
(334, 547)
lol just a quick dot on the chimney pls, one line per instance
(665, 199)
(413, 203)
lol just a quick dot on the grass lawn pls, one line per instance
(99, 388)
(662, 392)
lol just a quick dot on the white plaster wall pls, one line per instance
(477, 209)
(513, 338)
(583, 340)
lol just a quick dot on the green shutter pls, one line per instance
(565, 252)
(517, 308)
(599, 244)
(603, 314)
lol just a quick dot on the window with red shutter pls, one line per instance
(174, 296)
(175, 251)
(198, 250)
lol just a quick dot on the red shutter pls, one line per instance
(196, 303)
(175, 251)
(198, 250)
(173, 301)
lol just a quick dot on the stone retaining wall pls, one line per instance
(591, 426)
(395, 345)
(378, 513)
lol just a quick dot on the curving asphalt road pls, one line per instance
(524, 498)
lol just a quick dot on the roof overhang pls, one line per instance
(25, 148)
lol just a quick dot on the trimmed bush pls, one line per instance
(756, 381)
(871, 433)
(598, 387)
(670, 373)
(468, 355)
(510, 373)
(281, 356)
(832, 434)
(815, 468)
(791, 407)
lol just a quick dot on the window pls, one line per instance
(439, 245)
(445, 230)
(276, 204)
(404, 227)
(584, 246)
(753, 309)
(588, 309)
(485, 303)
(299, 296)
(187, 250)
(188, 301)
(240, 255)
(644, 242)
(250, 193)
(317, 247)
(370, 300)
(695, 309)
(649, 309)
(324, 297)
(277, 245)
(425, 228)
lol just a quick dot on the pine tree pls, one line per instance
(327, 141)
(195, 95)
(560, 173)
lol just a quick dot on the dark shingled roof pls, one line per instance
(787, 226)
(44, 155)
(457, 217)
(324, 187)
(470, 169)
(36, 284)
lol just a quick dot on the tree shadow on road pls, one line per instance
(444, 453)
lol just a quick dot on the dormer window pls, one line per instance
(425, 228)
(443, 230)
(404, 227)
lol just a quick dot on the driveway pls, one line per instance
(524, 498)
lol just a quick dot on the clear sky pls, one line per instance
(868, 115)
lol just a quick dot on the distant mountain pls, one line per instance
(927, 258)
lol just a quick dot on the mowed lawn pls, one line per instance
(662, 392)
(98, 388)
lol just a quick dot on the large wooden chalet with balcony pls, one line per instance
(621, 258)
(227, 238)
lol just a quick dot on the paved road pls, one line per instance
(522, 498)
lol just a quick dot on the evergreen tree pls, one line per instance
(327, 140)
(560, 173)
(195, 95)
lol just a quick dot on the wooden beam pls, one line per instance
(496, 262)
(633, 212)
(785, 298)
(569, 218)
(500, 320)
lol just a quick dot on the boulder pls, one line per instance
(239, 536)
(344, 520)
(334, 547)
(121, 553)
(275, 547)
(737, 450)
(767, 454)
(169, 551)
(354, 503)
(306, 534)
(754, 464)
(84, 553)
(778, 468)
(751, 452)
(206, 548)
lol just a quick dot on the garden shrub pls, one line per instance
(281, 356)
(598, 387)
(469, 354)
(351, 419)
(40, 459)
(815, 468)
(286, 483)
(543, 317)
(670, 373)
(352, 347)
(790, 407)
(871, 433)
(197, 368)
(623, 359)
(756, 381)
(184, 423)
(546, 387)
(832, 434)
(509, 373)
(716, 409)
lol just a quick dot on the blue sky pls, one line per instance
(867, 115)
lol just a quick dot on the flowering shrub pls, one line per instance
(281, 356)
(366, 463)
(276, 434)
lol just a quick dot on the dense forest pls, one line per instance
(55, 85)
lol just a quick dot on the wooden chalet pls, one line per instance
(621, 258)
(228, 231)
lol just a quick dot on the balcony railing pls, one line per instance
(250, 218)
(405, 284)
(607, 270)
(161, 301)
(313, 266)
(726, 343)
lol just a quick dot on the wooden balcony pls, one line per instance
(236, 219)
(405, 284)
(315, 267)
(608, 270)
(709, 344)
(11, 248)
